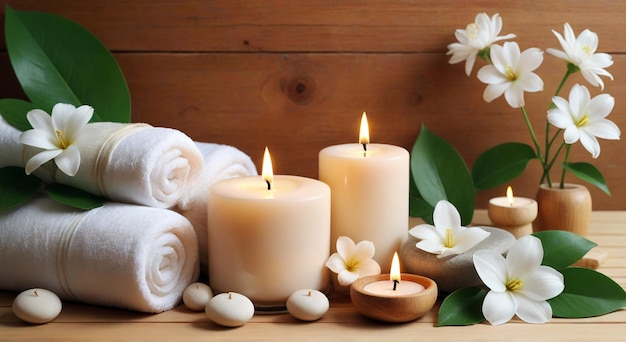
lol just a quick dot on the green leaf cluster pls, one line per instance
(57, 61)
(587, 292)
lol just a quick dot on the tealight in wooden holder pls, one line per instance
(395, 309)
(517, 219)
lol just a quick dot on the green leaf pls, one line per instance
(14, 112)
(587, 293)
(16, 186)
(501, 164)
(440, 173)
(417, 206)
(462, 307)
(74, 197)
(562, 248)
(589, 174)
(57, 60)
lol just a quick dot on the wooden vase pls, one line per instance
(566, 209)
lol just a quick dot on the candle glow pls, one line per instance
(509, 195)
(267, 171)
(394, 273)
(364, 132)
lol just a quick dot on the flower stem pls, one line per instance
(542, 160)
(565, 159)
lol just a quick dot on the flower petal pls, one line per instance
(542, 284)
(345, 247)
(346, 277)
(69, 160)
(335, 263)
(499, 307)
(364, 250)
(445, 216)
(467, 238)
(368, 267)
(524, 256)
(531, 311)
(491, 268)
(431, 246)
(425, 232)
(80, 117)
(39, 138)
(40, 120)
(39, 159)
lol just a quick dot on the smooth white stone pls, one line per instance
(196, 296)
(37, 306)
(453, 272)
(230, 309)
(307, 304)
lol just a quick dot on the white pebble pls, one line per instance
(196, 296)
(307, 305)
(230, 309)
(37, 306)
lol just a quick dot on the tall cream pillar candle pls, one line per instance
(370, 193)
(268, 236)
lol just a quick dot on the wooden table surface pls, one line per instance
(79, 322)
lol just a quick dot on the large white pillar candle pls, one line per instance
(268, 236)
(370, 193)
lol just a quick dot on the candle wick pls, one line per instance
(269, 185)
(230, 295)
(36, 294)
(395, 284)
(364, 147)
(309, 294)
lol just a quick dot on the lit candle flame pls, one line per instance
(394, 274)
(509, 195)
(268, 172)
(364, 132)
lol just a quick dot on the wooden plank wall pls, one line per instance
(296, 75)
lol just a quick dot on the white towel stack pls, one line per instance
(136, 254)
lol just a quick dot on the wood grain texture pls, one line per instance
(295, 76)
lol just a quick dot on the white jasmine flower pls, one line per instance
(511, 73)
(477, 36)
(351, 261)
(56, 134)
(580, 51)
(447, 236)
(584, 118)
(518, 284)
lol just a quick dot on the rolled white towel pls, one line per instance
(220, 162)
(120, 255)
(132, 163)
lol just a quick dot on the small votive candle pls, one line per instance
(37, 306)
(514, 214)
(395, 297)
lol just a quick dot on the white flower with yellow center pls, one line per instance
(584, 118)
(476, 37)
(519, 285)
(55, 135)
(581, 51)
(511, 73)
(447, 236)
(351, 261)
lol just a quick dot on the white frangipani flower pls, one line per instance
(519, 285)
(351, 261)
(477, 36)
(447, 236)
(56, 134)
(511, 73)
(584, 118)
(581, 51)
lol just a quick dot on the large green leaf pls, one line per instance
(562, 248)
(589, 174)
(587, 293)
(74, 197)
(462, 307)
(16, 187)
(417, 206)
(501, 164)
(57, 60)
(14, 112)
(440, 173)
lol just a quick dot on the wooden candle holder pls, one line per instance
(394, 309)
(517, 220)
